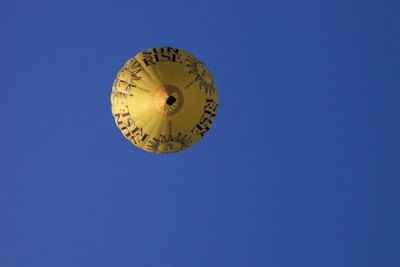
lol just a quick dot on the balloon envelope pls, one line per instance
(164, 100)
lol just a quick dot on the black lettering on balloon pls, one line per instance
(162, 54)
(148, 61)
(207, 118)
(128, 128)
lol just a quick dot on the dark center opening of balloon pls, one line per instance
(171, 100)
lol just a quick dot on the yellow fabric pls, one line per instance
(164, 100)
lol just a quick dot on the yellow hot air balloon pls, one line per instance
(164, 100)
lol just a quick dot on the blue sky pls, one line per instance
(300, 168)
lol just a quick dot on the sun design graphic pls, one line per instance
(202, 74)
(166, 144)
(126, 80)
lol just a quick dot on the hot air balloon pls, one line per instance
(164, 100)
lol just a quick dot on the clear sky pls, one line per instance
(300, 168)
